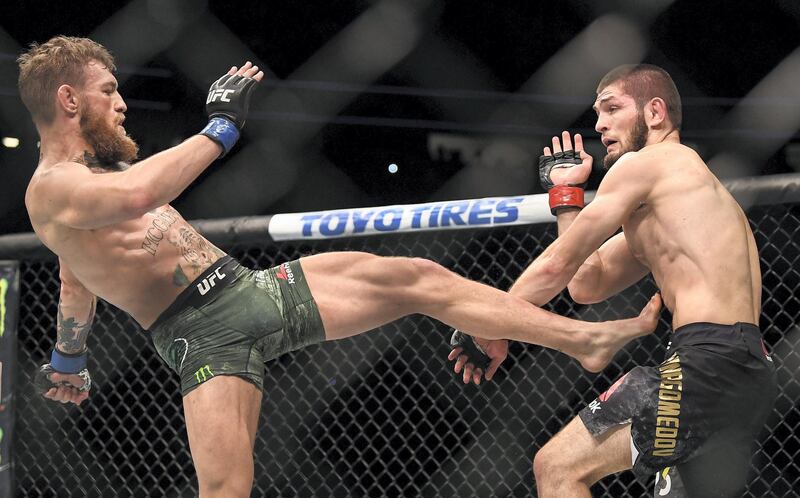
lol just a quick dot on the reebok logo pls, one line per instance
(207, 283)
(285, 273)
(221, 95)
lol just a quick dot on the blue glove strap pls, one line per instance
(222, 131)
(68, 363)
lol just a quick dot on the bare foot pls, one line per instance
(603, 345)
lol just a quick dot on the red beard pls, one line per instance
(109, 145)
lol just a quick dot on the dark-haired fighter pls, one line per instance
(694, 417)
(214, 322)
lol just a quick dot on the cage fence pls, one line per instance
(381, 414)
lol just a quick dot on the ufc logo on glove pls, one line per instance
(221, 95)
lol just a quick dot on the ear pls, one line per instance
(655, 112)
(67, 99)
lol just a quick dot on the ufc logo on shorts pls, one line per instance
(221, 95)
(207, 283)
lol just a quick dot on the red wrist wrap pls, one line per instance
(565, 196)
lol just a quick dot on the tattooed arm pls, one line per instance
(66, 378)
(76, 307)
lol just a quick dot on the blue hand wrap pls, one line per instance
(222, 131)
(68, 363)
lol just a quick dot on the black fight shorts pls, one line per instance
(695, 417)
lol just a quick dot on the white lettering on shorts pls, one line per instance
(207, 283)
(285, 273)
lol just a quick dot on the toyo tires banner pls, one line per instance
(470, 213)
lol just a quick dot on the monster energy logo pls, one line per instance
(203, 374)
(3, 290)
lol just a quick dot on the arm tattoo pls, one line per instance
(72, 333)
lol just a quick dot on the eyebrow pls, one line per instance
(112, 84)
(603, 100)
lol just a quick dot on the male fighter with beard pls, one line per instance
(214, 322)
(695, 416)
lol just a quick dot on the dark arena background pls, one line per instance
(378, 103)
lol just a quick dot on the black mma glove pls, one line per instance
(226, 105)
(63, 363)
(477, 356)
(561, 196)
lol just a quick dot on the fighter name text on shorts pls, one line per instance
(669, 406)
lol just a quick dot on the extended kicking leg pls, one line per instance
(357, 292)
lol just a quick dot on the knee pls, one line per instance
(425, 269)
(551, 470)
(416, 285)
(224, 468)
(544, 466)
(412, 272)
(225, 483)
(431, 281)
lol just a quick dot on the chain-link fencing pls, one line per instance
(381, 414)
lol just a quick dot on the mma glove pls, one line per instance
(63, 363)
(227, 103)
(561, 196)
(477, 356)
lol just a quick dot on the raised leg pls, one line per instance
(573, 460)
(221, 419)
(357, 292)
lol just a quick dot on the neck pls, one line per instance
(662, 136)
(59, 144)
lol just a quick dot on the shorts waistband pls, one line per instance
(202, 289)
(704, 332)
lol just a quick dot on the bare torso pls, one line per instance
(697, 242)
(139, 265)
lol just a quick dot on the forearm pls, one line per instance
(543, 279)
(589, 273)
(76, 309)
(565, 218)
(163, 176)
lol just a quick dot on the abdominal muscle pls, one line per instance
(140, 265)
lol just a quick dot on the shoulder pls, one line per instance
(651, 163)
(632, 167)
(48, 184)
(58, 172)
